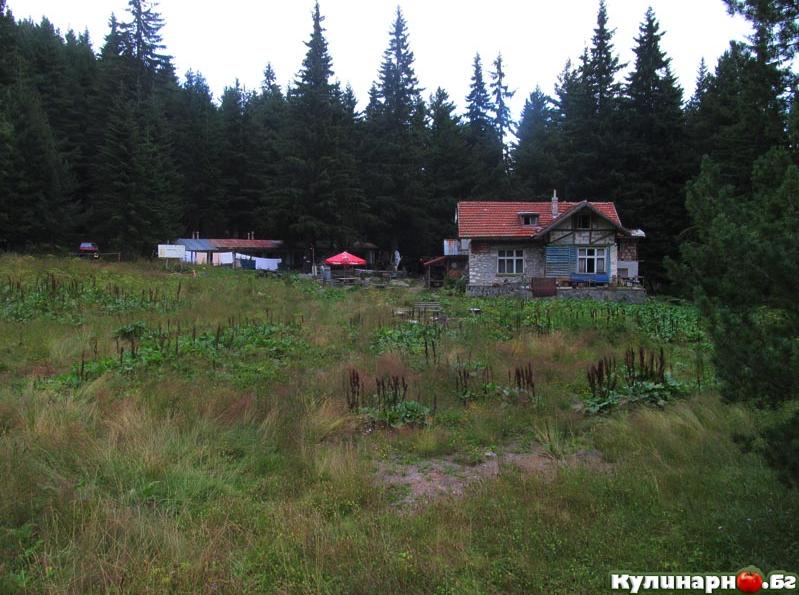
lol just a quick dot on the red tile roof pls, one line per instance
(487, 219)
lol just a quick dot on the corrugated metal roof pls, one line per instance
(236, 244)
(219, 245)
(196, 245)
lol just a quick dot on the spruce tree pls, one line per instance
(393, 151)
(536, 167)
(448, 164)
(777, 21)
(589, 101)
(143, 43)
(503, 121)
(322, 191)
(268, 118)
(39, 181)
(740, 115)
(489, 177)
(655, 160)
(198, 141)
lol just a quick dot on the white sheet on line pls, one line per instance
(267, 264)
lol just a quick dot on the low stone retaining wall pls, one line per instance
(631, 295)
(507, 289)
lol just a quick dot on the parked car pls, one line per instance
(88, 250)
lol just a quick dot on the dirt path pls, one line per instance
(447, 477)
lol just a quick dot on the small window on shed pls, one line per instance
(529, 219)
(582, 221)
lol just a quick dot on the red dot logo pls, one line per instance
(749, 581)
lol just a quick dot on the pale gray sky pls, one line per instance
(236, 38)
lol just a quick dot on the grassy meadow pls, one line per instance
(219, 432)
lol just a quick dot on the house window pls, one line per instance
(591, 261)
(510, 262)
(529, 219)
(582, 221)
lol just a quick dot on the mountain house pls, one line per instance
(549, 248)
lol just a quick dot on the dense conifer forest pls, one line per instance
(208, 429)
(105, 141)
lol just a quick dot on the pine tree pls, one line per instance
(589, 101)
(478, 103)
(740, 115)
(448, 163)
(536, 167)
(234, 163)
(489, 179)
(777, 21)
(143, 43)
(655, 165)
(197, 149)
(269, 113)
(741, 266)
(39, 181)
(503, 121)
(602, 128)
(573, 118)
(399, 89)
(8, 45)
(322, 190)
(600, 70)
(136, 114)
(393, 151)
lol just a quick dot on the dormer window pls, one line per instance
(582, 221)
(528, 219)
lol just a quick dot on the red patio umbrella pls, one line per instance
(345, 259)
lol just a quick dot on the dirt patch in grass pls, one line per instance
(450, 476)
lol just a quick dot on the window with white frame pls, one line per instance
(529, 219)
(591, 261)
(510, 262)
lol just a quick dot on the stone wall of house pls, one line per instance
(628, 249)
(483, 264)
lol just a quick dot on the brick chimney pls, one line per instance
(554, 204)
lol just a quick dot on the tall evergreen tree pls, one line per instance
(197, 133)
(588, 102)
(536, 166)
(602, 128)
(740, 115)
(503, 121)
(134, 171)
(656, 167)
(268, 118)
(489, 177)
(776, 21)
(323, 194)
(393, 150)
(448, 163)
(39, 181)
(143, 43)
